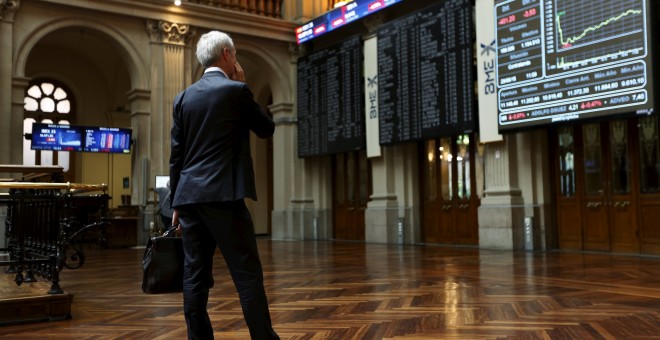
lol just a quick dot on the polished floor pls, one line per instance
(343, 290)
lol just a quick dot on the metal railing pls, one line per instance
(45, 221)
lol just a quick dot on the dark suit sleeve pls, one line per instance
(178, 146)
(257, 119)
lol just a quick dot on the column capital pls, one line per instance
(170, 32)
(296, 51)
(8, 8)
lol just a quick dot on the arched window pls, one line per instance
(46, 101)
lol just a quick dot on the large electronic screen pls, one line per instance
(425, 74)
(340, 16)
(331, 100)
(58, 137)
(562, 60)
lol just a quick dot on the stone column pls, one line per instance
(382, 218)
(502, 211)
(168, 78)
(19, 85)
(9, 135)
(294, 211)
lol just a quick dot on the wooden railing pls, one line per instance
(269, 8)
(45, 221)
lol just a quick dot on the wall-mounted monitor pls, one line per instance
(564, 60)
(56, 137)
(105, 139)
(59, 137)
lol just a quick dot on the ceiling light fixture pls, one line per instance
(177, 2)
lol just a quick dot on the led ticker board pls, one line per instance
(561, 60)
(339, 17)
(59, 137)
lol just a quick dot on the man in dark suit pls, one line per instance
(210, 175)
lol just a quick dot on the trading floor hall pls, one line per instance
(346, 290)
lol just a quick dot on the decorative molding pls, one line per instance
(296, 51)
(8, 8)
(373, 21)
(169, 32)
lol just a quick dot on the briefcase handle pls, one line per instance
(171, 230)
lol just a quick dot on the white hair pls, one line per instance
(211, 45)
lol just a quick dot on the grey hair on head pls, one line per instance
(211, 45)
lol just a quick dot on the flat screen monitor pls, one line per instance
(59, 137)
(107, 139)
(56, 137)
(565, 60)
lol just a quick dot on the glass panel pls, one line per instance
(479, 168)
(34, 92)
(463, 164)
(46, 158)
(28, 153)
(31, 104)
(63, 160)
(620, 157)
(649, 154)
(339, 170)
(445, 169)
(59, 94)
(350, 177)
(47, 88)
(63, 156)
(364, 177)
(47, 105)
(593, 172)
(431, 172)
(566, 162)
(64, 107)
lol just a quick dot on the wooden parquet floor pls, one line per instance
(342, 290)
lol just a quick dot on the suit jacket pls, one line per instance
(210, 159)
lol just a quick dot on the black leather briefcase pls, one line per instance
(162, 264)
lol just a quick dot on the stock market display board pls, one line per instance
(561, 60)
(425, 74)
(331, 100)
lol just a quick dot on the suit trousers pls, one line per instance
(227, 225)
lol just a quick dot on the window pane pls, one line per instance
(566, 162)
(593, 172)
(34, 92)
(463, 163)
(445, 169)
(479, 168)
(46, 158)
(59, 94)
(650, 154)
(47, 105)
(28, 153)
(63, 160)
(620, 157)
(47, 88)
(64, 106)
(31, 104)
